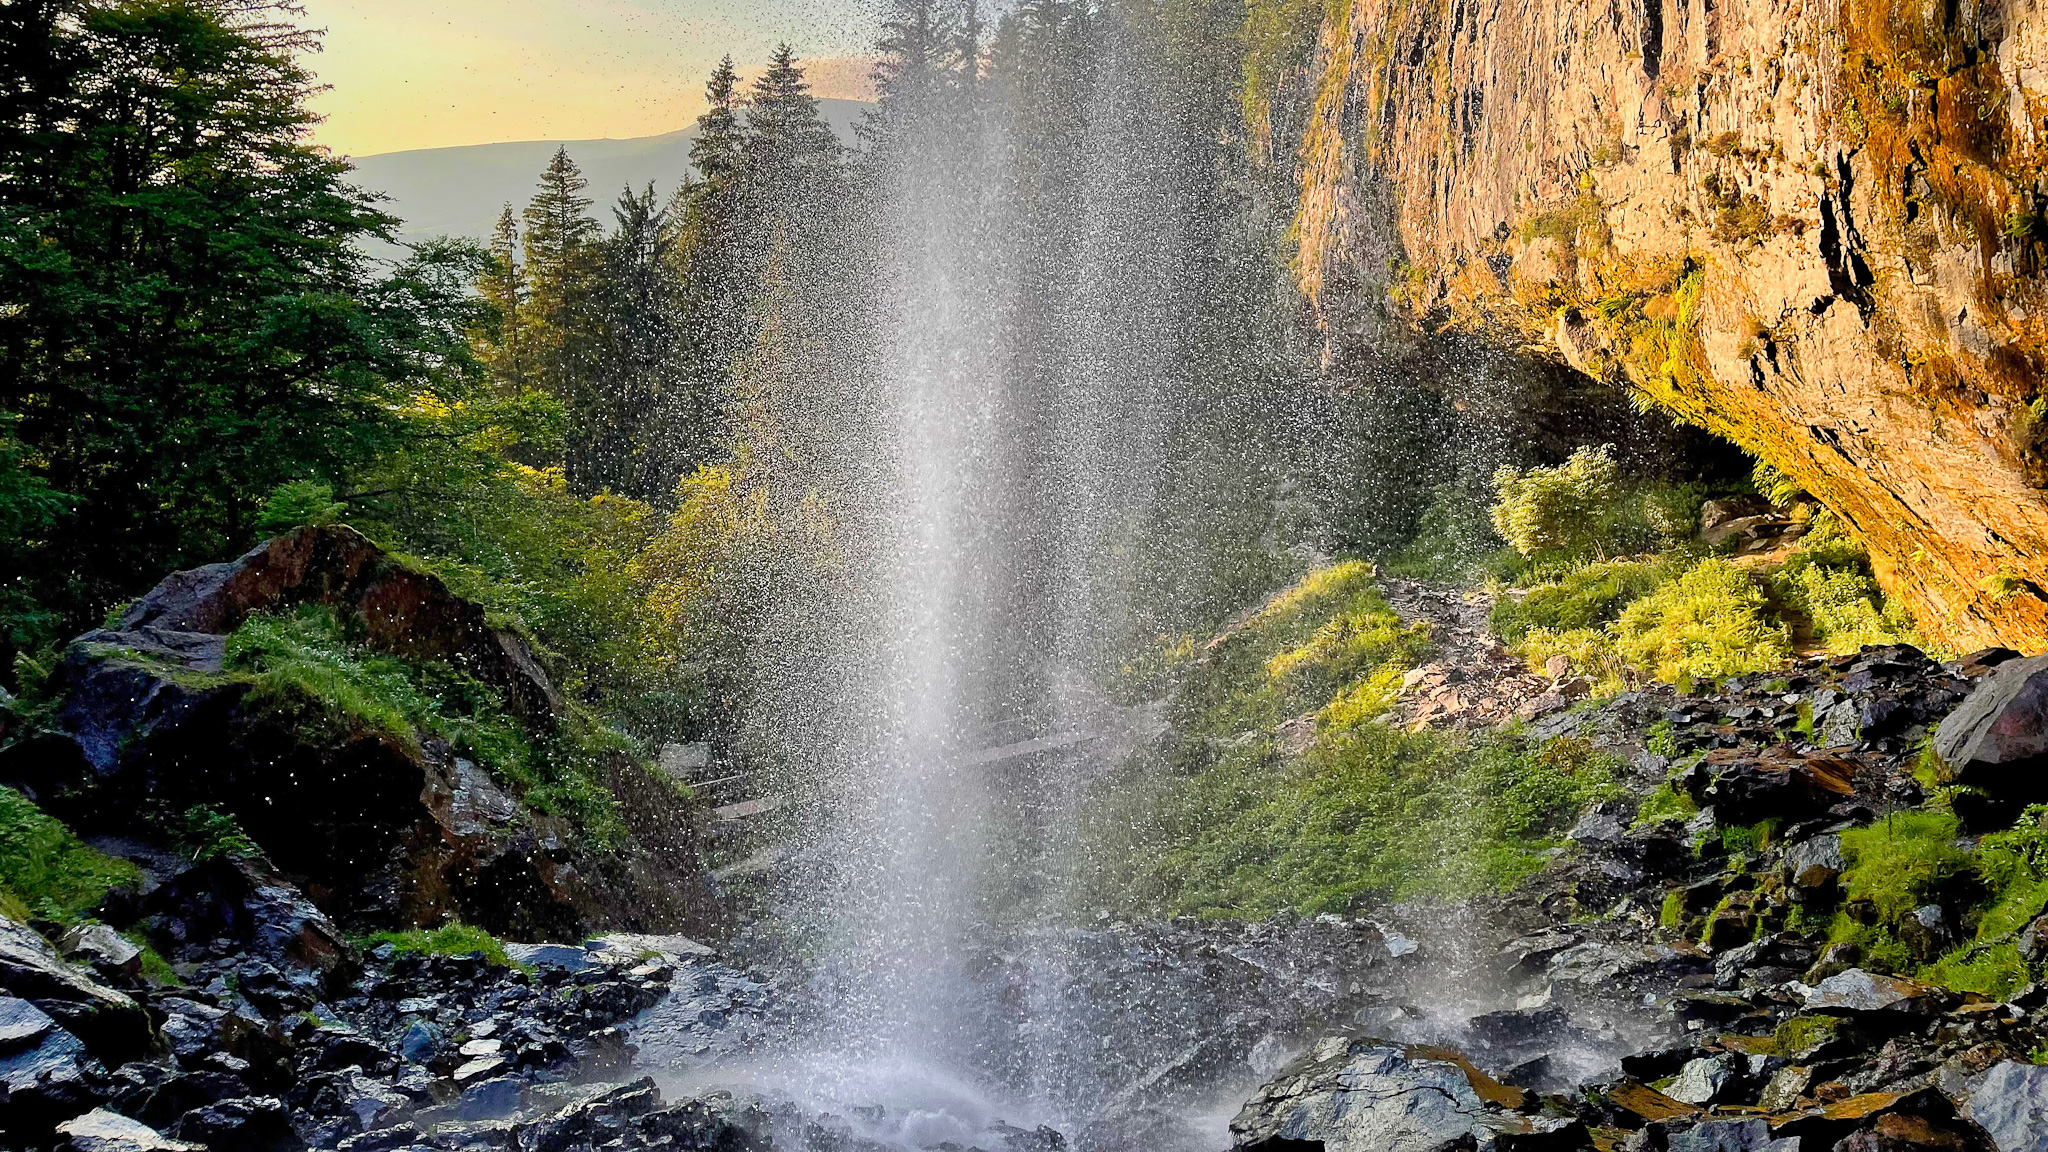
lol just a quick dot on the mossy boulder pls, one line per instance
(381, 823)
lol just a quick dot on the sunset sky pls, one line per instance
(434, 73)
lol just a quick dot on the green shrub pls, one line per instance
(1710, 623)
(447, 940)
(1561, 511)
(45, 871)
(207, 833)
(1828, 579)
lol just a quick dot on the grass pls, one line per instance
(1585, 597)
(447, 940)
(46, 873)
(1712, 622)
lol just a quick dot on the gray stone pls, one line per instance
(1857, 991)
(2011, 1105)
(1702, 1081)
(109, 1022)
(489, 1100)
(1998, 739)
(419, 1042)
(1815, 862)
(22, 1023)
(1730, 1136)
(478, 1068)
(1598, 828)
(374, 1103)
(99, 944)
(567, 957)
(1366, 1095)
(102, 1131)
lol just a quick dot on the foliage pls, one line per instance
(1901, 863)
(1710, 623)
(1584, 597)
(299, 504)
(208, 833)
(454, 939)
(191, 318)
(1828, 579)
(1559, 511)
(306, 665)
(1369, 812)
(1668, 802)
(45, 871)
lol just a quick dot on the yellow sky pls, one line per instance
(434, 73)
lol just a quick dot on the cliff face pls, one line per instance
(1812, 226)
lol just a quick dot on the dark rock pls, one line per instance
(112, 1025)
(248, 1124)
(1703, 1081)
(248, 904)
(1743, 787)
(592, 1122)
(1728, 1136)
(1858, 992)
(46, 1073)
(384, 1140)
(1997, 742)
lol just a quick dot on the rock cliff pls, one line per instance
(1812, 226)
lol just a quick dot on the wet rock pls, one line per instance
(1812, 865)
(593, 1122)
(45, 1072)
(1366, 1095)
(248, 1124)
(110, 1023)
(2011, 1106)
(1744, 787)
(102, 1131)
(103, 949)
(1703, 1081)
(1857, 991)
(1729, 1136)
(1997, 742)
(246, 903)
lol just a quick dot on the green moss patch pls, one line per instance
(447, 940)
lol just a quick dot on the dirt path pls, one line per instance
(1472, 679)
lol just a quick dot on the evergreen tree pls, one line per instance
(560, 275)
(720, 146)
(190, 321)
(503, 287)
(789, 141)
(923, 63)
(635, 425)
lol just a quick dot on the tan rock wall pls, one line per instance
(1813, 226)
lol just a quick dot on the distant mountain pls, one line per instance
(460, 191)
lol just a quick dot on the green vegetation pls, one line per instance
(1711, 622)
(447, 940)
(1563, 511)
(1227, 826)
(1584, 597)
(46, 872)
(207, 833)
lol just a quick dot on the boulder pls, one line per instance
(102, 948)
(245, 902)
(1744, 787)
(1729, 1136)
(2011, 1106)
(102, 1131)
(1359, 1094)
(1996, 743)
(1857, 992)
(378, 828)
(46, 1073)
(245, 1124)
(111, 1024)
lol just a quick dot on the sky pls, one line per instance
(406, 74)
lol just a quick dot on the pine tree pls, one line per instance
(633, 426)
(560, 274)
(503, 287)
(720, 146)
(789, 140)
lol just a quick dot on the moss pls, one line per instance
(46, 872)
(1749, 841)
(1584, 597)
(1672, 915)
(447, 940)
(1902, 862)
(154, 968)
(1801, 1036)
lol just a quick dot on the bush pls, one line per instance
(1828, 579)
(45, 871)
(206, 833)
(299, 504)
(1561, 511)
(1710, 623)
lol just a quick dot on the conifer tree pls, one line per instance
(789, 139)
(503, 288)
(720, 146)
(560, 274)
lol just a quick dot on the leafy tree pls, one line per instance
(189, 320)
